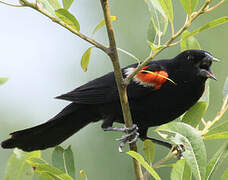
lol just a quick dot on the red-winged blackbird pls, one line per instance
(153, 99)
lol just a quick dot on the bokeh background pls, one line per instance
(42, 61)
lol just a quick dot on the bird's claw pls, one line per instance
(128, 137)
(178, 150)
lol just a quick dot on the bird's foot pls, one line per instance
(178, 150)
(131, 136)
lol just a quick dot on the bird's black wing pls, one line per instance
(104, 90)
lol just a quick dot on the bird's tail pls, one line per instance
(51, 133)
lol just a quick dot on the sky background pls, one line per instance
(42, 61)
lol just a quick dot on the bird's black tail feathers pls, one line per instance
(51, 133)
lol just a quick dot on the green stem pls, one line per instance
(169, 42)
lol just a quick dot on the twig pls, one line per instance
(122, 89)
(12, 5)
(217, 118)
(169, 42)
(56, 20)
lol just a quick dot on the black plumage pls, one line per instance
(99, 100)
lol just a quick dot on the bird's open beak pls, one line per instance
(211, 75)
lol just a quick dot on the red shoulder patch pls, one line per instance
(155, 78)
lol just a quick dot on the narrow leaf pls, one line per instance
(102, 24)
(210, 25)
(151, 32)
(67, 3)
(54, 4)
(17, 168)
(218, 132)
(181, 171)
(225, 88)
(57, 158)
(206, 95)
(3, 80)
(217, 159)
(195, 151)
(148, 149)
(194, 115)
(41, 167)
(225, 175)
(151, 72)
(69, 162)
(158, 19)
(68, 18)
(50, 5)
(46, 177)
(83, 175)
(85, 59)
(189, 43)
(189, 5)
(167, 6)
(141, 160)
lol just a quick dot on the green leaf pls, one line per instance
(49, 5)
(217, 159)
(151, 33)
(85, 59)
(159, 20)
(167, 6)
(195, 151)
(54, 4)
(148, 149)
(83, 175)
(218, 132)
(102, 24)
(209, 25)
(225, 175)
(206, 95)
(64, 160)
(67, 3)
(41, 167)
(3, 80)
(57, 158)
(69, 162)
(189, 43)
(68, 18)
(224, 92)
(46, 177)
(189, 5)
(141, 160)
(181, 171)
(17, 168)
(194, 115)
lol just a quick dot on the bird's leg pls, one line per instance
(178, 148)
(130, 137)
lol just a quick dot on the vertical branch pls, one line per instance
(122, 88)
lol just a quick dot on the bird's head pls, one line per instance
(200, 60)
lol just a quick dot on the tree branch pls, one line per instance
(122, 89)
(169, 43)
(56, 20)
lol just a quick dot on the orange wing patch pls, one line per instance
(155, 79)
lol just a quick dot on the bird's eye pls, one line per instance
(190, 57)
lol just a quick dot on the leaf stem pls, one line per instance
(169, 42)
(217, 118)
(122, 89)
(215, 6)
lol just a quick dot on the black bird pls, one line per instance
(162, 91)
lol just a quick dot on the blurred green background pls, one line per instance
(42, 61)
